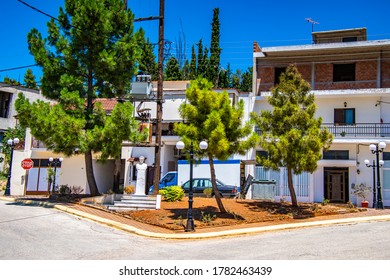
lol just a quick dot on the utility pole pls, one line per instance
(157, 157)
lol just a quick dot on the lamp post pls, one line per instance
(373, 165)
(377, 149)
(55, 161)
(180, 146)
(12, 143)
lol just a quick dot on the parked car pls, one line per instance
(169, 179)
(200, 184)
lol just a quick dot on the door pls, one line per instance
(336, 184)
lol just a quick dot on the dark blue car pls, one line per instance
(200, 184)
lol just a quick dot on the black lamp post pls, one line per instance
(373, 165)
(55, 161)
(377, 149)
(12, 143)
(180, 146)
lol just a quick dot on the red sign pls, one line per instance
(27, 163)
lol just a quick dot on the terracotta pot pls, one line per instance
(365, 204)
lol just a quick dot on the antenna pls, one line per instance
(312, 23)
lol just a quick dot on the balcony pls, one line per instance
(359, 130)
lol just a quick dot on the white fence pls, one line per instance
(301, 182)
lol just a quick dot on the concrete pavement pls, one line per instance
(142, 229)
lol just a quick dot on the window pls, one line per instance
(5, 98)
(336, 154)
(343, 72)
(278, 72)
(344, 116)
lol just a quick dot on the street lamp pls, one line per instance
(55, 161)
(377, 149)
(12, 143)
(180, 146)
(367, 163)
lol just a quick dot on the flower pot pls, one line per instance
(365, 204)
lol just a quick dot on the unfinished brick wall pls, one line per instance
(365, 76)
(386, 74)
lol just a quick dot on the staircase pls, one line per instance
(136, 202)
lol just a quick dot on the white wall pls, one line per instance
(365, 110)
(104, 174)
(18, 176)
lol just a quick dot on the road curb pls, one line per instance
(187, 236)
(225, 233)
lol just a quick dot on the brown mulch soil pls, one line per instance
(240, 212)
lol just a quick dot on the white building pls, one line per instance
(350, 78)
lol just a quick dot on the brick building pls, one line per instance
(350, 78)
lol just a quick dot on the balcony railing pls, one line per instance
(359, 129)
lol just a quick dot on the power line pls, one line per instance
(17, 68)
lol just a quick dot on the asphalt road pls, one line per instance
(39, 233)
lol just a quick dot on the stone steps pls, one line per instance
(136, 202)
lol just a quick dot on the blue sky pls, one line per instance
(270, 23)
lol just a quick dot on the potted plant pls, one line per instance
(362, 191)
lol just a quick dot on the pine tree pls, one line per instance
(29, 80)
(211, 116)
(291, 134)
(236, 79)
(215, 50)
(193, 67)
(90, 52)
(172, 70)
(147, 62)
(246, 81)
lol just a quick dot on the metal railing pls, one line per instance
(359, 129)
(354, 130)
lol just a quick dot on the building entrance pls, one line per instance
(336, 184)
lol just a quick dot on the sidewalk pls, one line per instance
(146, 230)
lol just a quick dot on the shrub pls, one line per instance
(129, 189)
(208, 192)
(172, 193)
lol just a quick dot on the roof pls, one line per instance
(107, 103)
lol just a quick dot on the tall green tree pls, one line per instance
(193, 68)
(291, 134)
(90, 52)
(147, 62)
(236, 79)
(211, 116)
(29, 79)
(246, 80)
(172, 70)
(225, 77)
(215, 49)
(201, 59)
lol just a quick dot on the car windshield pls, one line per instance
(169, 177)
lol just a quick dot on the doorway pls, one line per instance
(336, 184)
